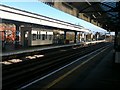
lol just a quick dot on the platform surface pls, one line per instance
(105, 75)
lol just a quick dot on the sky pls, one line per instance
(36, 6)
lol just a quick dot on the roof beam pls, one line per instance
(98, 11)
(88, 7)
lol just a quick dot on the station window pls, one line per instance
(43, 36)
(34, 36)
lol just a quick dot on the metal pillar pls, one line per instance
(65, 37)
(75, 37)
(17, 36)
(117, 29)
(117, 38)
(115, 41)
(84, 36)
(90, 20)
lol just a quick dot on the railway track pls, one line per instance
(18, 74)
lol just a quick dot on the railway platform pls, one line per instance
(106, 74)
(11, 50)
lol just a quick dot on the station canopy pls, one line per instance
(105, 12)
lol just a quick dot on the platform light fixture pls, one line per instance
(99, 13)
(93, 15)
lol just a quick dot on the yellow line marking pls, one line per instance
(69, 72)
